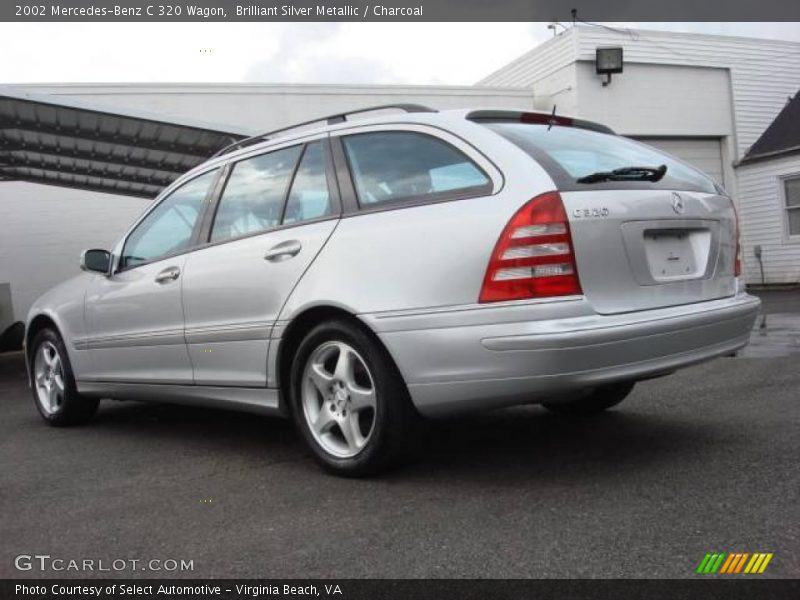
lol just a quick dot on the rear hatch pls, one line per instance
(648, 230)
(640, 249)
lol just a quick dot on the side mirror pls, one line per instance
(98, 261)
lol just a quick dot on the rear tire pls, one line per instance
(594, 402)
(53, 384)
(349, 401)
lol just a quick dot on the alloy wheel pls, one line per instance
(339, 399)
(48, 373)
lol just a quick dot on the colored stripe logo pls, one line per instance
(734, 563)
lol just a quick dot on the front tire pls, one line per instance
(349, 402)
(594, 402)
(53, 384)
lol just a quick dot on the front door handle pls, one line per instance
(283, 251)
(168, 274)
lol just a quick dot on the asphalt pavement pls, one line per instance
(706, 460)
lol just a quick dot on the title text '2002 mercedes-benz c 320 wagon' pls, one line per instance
(363, 274)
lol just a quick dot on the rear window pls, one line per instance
(569, 153)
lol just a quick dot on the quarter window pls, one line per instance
(398, 165)
(309, 198)
(168, 228)
(792, 194)
(254, 195)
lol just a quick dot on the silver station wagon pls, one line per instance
(362, 274)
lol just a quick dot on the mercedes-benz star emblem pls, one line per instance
(677, 203)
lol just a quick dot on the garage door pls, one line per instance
(705, 154)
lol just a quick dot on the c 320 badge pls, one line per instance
(588, 213)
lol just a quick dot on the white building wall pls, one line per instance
(558, 89)
(658, 100)
(43, 231)
(763, 217)
(536, 64)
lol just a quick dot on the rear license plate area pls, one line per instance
(674, 254)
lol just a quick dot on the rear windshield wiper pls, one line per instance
(626, 174)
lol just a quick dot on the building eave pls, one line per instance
(756, 158)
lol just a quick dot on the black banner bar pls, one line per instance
(397, 10)
(733, 588)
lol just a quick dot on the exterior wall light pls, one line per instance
(608, 60)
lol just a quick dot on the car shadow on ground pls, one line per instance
(502, 445)
(505, 445)
(527, 442)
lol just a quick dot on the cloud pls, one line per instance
(303, 55)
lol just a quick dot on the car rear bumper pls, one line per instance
(483, 357)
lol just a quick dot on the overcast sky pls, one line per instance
(389, 53)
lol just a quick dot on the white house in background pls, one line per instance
(769, 197)
(704, 98)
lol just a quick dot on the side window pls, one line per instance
(253, 197)
(309, 197)
(168, 228)
(398, 165)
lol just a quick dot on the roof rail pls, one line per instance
(330, 120)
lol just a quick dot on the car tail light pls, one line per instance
(534, 257)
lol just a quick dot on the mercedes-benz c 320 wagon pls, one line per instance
(363, 274)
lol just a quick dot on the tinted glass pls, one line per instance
(569, 153)
(309, 197)
(398, 165)
(254, 194)
(168, 228)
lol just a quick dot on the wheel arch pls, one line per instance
(35, 325)
(297, 329)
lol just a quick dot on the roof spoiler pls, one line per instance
(539, 118)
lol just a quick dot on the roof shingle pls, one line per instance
(781, 137)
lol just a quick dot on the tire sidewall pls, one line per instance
(372, 455)
(72, 400)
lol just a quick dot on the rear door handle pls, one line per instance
(168, 274)
(283, 251)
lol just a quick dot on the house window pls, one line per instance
(792, 196)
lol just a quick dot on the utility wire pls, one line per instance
(637, 36)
